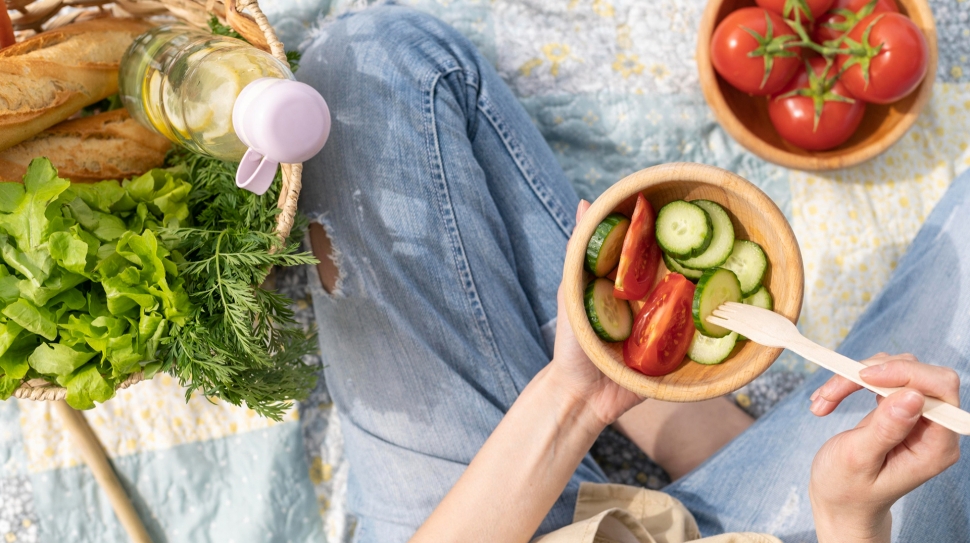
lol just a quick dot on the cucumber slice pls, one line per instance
(673, 266)
(603, 249)
(761, 298)
(708, 350)
(683, 229)
(715, 287)
(749, 263)
(610, 317)
(722, 242)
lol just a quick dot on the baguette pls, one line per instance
(49, 77)
(109, 145)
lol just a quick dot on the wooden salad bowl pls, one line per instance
(745, 117)
(755, 217)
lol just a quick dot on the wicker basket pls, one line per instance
(31, 16)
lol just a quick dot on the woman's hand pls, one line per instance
(576, 373)
(858, 475)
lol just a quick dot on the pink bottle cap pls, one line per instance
(281, 121)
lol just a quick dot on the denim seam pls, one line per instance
(525, 166)
(436, 163)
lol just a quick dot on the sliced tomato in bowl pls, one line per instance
(640, 256)
(663, 329)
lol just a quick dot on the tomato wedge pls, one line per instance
(663, 328)
(640, 256)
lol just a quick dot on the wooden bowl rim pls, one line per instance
(823, 160)
(573, 286)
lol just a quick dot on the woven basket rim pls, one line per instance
(245, 17)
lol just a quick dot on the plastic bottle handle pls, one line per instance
(256, 172)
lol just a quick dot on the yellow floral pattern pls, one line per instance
(150, 416)
(627, 65)
(556, 54)
(854, 225)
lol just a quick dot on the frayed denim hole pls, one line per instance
(328, 275)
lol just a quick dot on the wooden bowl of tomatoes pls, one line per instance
(753, 216)
(811, 109)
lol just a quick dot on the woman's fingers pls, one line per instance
(829, 395)
(838, 388)
(580, 209)
(902, 370)
(934, 381)
(890, 423)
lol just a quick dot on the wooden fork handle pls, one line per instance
(936, 410)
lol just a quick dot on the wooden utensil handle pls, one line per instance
(94, 456)
(936, 410)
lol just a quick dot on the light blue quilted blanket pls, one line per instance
(613, 86)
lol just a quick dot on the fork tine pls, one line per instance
(732, 324)
(720, 321)
(725, 313)
(726, 307)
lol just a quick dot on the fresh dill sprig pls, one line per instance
(241, 344)
(293, 58)
(223, 30)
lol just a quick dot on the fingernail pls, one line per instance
(817, 405)
(909, 406)
(872, 370)
(815, 394)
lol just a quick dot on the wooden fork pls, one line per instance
(773, 330)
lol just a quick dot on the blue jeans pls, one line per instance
(449, 217)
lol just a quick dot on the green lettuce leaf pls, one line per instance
(9, 289)
(104, 226)
(35, 319)
(8, 334)
(10, 195)
(102, 196)
(86, 386)
(89, 291)
(58, 282)
(28, 222)
(69, 252)
(13, 361)
(58, 359)
(8, 384)
(35, 264)
(123, 297)
(123, 354)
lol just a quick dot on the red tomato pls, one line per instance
(888, 58)
(845, 14)
(7, 37)
(815, 111)
(628, 206)
(663, 328)
(748, 50)
(640, 256)
(804, 11)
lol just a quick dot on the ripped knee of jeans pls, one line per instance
(328, 270)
